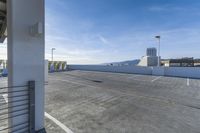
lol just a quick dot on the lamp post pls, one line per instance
(158, 37)
(52, 53)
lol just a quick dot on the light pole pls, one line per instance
(158, 37)
(52, 53)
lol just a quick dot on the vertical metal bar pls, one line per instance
(159, 53)
(31, 87)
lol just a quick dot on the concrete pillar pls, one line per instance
(46, 70)
(26, 51)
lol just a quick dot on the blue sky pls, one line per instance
(98, 31)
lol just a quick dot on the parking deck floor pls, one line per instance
(103, 102)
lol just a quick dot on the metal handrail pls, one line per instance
(15, 101)
(17, 96)
(26, 131)
(14, 126)
(18, 86)
(12, 91)
(14, 97)
(21, 102)
(26, 104)
(21, 128)
(14, 116)
(10, 112)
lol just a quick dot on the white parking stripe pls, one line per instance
(5, 96)
(188, 82)
(133, 76)
(156, 79)
(61, 125)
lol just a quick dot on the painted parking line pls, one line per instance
(156, 78)
(188, 82)
(61, 125)
(133, 76)
(5, 96)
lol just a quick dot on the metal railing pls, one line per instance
(17, 103)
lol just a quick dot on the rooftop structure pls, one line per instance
(182, 62)
(151, 58)
(151, 52)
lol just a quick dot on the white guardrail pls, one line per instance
(188, 72)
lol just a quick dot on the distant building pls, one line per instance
(182, 62)
(151, 58)
(151, 52)
(197, 62)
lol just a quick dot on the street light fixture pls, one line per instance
(52, 53)
(158, 37)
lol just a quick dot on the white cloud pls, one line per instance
(76, 56)
(175, 8)
(103, 39)
(166, 7)
(158, 8)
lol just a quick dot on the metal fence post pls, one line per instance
(31, 87)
